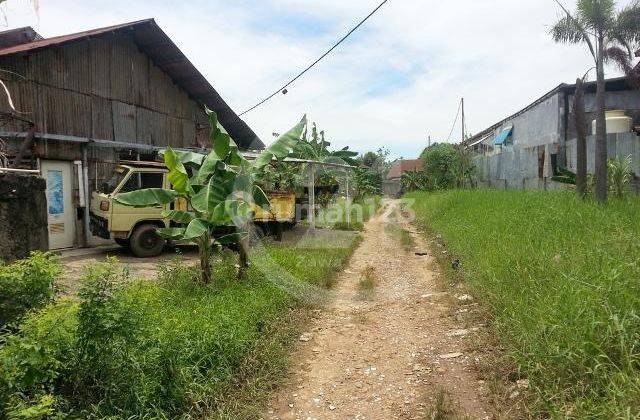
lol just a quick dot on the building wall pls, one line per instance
(628, 100)
(537, 126)
(619, 146)
(392, 187)
(523, 168)
(103, 88)
(539, 145)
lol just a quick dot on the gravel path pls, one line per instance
(390, 356)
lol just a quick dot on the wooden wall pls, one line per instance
(102, 88)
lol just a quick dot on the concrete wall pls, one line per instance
(514, 167)
(23, 216)
(542, 124)
(532, 168)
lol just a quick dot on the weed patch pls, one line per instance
(402, 236)
(26, 284)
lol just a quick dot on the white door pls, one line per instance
(62, 227)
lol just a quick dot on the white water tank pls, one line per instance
(617, 122)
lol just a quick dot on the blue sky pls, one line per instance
(396, 81)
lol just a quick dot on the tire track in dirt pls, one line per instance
(391, 357)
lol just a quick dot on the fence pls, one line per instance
(533, 168)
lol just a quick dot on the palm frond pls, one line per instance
(626, 28)
(567, 31)
(620, 58)
(597, 15)
(624, 62)
(571, 30)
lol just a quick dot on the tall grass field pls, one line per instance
(561, 278)
(167, 347)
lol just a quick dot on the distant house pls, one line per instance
(86, 100)
(392, 184)
(526, 149)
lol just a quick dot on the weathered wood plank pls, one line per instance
(101, 118)
(100, 66)
(124, 122)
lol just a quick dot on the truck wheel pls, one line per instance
(122, 242)
(145, 242)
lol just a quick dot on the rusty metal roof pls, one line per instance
(151, 39)
(18, 36)
(404, 165)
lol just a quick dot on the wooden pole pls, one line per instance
(463, 122)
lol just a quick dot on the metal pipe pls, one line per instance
(87, 195)
(23, 171)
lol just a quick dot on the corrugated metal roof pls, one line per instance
(151, 39)
(18, 36)
(404, 165)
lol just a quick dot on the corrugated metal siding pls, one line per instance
(102, 88)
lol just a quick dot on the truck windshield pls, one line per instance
(109, 186)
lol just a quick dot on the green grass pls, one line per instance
(561, 278)
(169, 348)
(401, 235)
(334, 215)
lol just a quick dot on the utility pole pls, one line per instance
(463, 133)
(429, 141)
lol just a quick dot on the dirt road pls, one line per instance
(400, 354)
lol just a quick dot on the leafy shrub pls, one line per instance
(446, 166)
(35, 360)
(141, 349)
(368, 182)
(26, 284)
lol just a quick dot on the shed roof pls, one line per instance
(151, 39)
(404, 165)
(612, 85)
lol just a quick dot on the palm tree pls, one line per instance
(609, 35)
(581, 138)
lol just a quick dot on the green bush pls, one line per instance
(165, 349)
(447, 166)
(560, 276)
(26, 284)
(35, 359)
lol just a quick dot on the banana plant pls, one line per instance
(219, 188)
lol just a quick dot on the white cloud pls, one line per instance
(395, 82)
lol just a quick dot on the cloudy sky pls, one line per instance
(396, 81)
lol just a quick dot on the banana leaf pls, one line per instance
(147, 197)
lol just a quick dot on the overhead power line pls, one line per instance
(454, 122)
(283, 88)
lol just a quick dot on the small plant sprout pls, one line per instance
(367, 283)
